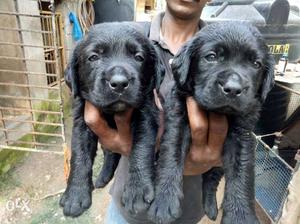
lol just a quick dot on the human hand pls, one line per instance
(208, 131)
(120, 140)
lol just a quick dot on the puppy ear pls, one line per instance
(268, 77)
(71, 72)
(155, 70)
(181, 66)
(159, 73)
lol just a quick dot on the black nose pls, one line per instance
(118, 83)
(232, 87)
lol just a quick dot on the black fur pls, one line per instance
(113, 49)
(227, 69)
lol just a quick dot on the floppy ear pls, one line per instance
(159, 72)
(181, 66)
(268, 77)
(71, 72)
(182, 63)
(155, 70)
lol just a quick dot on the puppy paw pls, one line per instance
(166, 206)
(210, 206)
(76, 200)
(137, 195)
(102, 180)
(238, 219)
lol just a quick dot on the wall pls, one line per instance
(28, 38)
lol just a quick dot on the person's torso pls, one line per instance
(192, 209)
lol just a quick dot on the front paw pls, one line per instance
(166, 205)
(210, 206)
(229, 218)
(103, 179)
(137, 195)
(76, 200)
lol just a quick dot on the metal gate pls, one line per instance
(31, 69)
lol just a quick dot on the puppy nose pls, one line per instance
(232, 86)
(118, 83)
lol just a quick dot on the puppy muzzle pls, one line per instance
(233, 86)
(118, 79)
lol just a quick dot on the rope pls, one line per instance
(277, 134)
(86, 14)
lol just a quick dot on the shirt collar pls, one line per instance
(155, 31)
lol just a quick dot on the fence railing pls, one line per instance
(32, 61)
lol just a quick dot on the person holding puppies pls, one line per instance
(168, 31)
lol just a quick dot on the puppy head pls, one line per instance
(226, 67)
(114, 67)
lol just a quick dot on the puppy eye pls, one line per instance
(211, 57)
(139, 57)
(257, 64)
(94, 57)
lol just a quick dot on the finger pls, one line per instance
(91, 113)
(157, 100)
(195, 169)
(198, 122)
(123, 122)
(218, 127)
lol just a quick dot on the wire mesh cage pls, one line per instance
(275, 161)
(31, 65)
(272, 179)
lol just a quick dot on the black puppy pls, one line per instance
(227, 69)
(115, 68)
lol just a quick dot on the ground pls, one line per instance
(37, 176)
(24, 191)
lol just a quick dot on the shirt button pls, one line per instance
(170, 61)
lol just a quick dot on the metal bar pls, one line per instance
(48, 51)
(32, 132)
(57, 69)
(23, 30)
(3, 123)
(25, 85)
(33, 122)
(27, 72)
(24, 45)
(27, 98)
(29, 149)
(55, 83)
(31, 110)
(28, 142)
(25, 65)
(266, 212)
(23, 14)
(63, 54)
(51, 50)
(269, 149)
(26, 59)
(220, 9)
(287, 88)
(282, 36)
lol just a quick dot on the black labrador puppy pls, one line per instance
(115, 67)
(227, 69)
